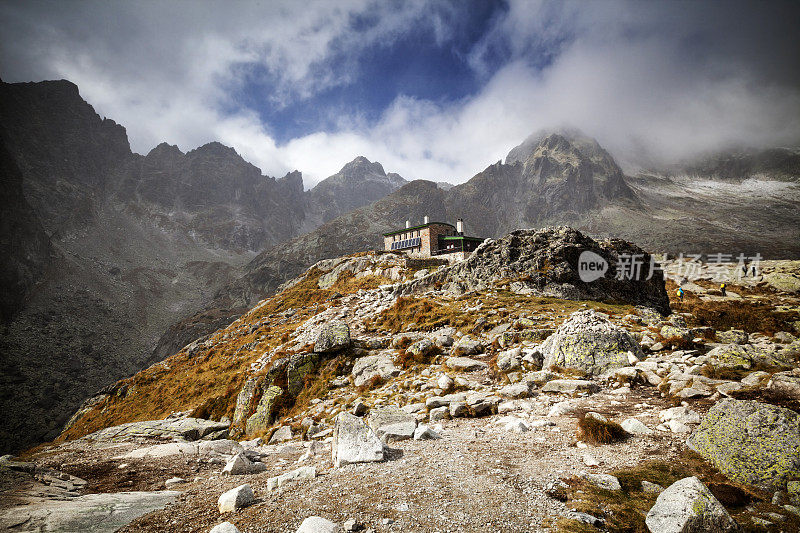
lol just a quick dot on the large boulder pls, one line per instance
(262, 418)
(332, 337)
(549, 262)
(751, 442)
(354, 442)
(729, 356)
(370, 366)
(391, 423)
(687, 506)
(588, 341)
(299, 366)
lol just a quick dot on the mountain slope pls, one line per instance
(118, 246)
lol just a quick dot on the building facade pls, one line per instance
(432, 239)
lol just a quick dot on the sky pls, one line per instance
(431, 89)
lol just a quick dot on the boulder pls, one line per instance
(509, 360)
(333, 337)
(751, 442)
(304, 472)
(785, 385)
(603, 481)
(635, 427)
(465, 364)
(588, 341)
(729, 356)
(392, 423)
(515, 391)
(733, 336)
(354, 442)
(424, 432)
(670, 332)
(262, 418)
(299, 366)
(366, 368)
(547, 259)
(225, 527)
(282, 434)
(317, 524)
(687, 506)
(236, 498)
(466, 345)
(239, 464)
(421, 348)
(570, 386)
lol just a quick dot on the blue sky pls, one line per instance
(431, 89)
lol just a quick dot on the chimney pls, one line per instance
(460, 226)
(408, 224)
(426, 219)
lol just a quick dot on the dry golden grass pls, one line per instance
(624, 511)
(596, 431)
(749, 316)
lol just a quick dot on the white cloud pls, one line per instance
(666, 79)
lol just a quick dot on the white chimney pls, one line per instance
(408, 224)
(460, 226)
(426, 219)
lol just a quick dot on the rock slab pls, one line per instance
(687, 506)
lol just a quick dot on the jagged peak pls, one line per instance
(361, 165)
(563, 139)
(165, 149)
(215, 148)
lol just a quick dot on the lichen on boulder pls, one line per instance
(262, 418)
(332, 338)
(588, 341)
(751, 442)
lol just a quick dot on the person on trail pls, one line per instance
(680, 293)
(722, 288)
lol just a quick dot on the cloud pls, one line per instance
(652, 81)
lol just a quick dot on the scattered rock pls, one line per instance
(367, 368)
(424, 432)
(687, 506)
(465, 364)
(225, 527)
(392, 423)
(635, 426)
(282, 434)
(333, 337)
(570, 386)
(733, 336)
(317, 524)
(304, 472)
(603, 481)
(354, 442)
(236, 498)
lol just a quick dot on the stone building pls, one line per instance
(432, 239)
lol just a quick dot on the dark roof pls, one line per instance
(417, 227)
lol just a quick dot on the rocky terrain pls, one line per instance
(104, 249)
(375, 392)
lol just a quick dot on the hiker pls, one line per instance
(722, 288)
(680, 293)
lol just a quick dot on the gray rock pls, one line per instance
(366, 368)
(333, 337)
(751, 442)
(733, 336)
(424, 432)
(687, 506)
(729, 356)
(236, 498)
(785, 385)
(439, 413)
(239, 464)
(588, 341)
(98, 513)
(603, 481)
(225, 527)
(509, 360)
(354, 442)
(465, 364)
(445, 382)
(317, 524)
(282, 434)
(466, 345)
(421, 348)
(391, 423)
(458, 409)
(517, 390)
(635, 427)
(570, 386)
(653, 488)
(299, 474)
